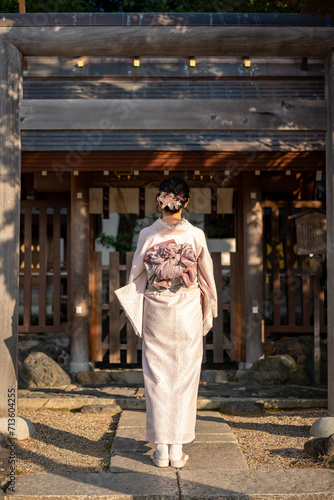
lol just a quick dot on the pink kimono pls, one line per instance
(170, 302)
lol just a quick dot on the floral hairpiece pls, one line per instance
(170, 200)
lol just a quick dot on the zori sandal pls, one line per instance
(179, 463)
(159, 462)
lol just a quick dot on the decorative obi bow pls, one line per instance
(169, 265)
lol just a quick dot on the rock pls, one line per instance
(127, 376)
(214, 376)
(112, 409)
(240, 408)
(39, 370)
(245, 377)
(23, 428)
(93, 378)
(301, 348)
(273, 370)
(54, 345)
(63, 343)
(323, 427)
(320, 446)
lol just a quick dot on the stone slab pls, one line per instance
(133, 461)
(217, 456)
(101, 409)
(132, 485)
(31, 403)
(132, 419)
(131, 432)
(77, 402)
(212, 428)
(138, 433)
(127, 376)
(118, 391)
(204, 437)
(133, 403)
(130, 444)
(257, 484)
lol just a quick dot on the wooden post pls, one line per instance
(10, 178)
(253, 266)
(316, 315)
(329, 89)
(79, 274)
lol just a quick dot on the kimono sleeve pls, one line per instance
(131, 296)
(207, 285)
(138, 266)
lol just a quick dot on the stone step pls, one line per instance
(214, 438)
(182, 485)
(139, 403)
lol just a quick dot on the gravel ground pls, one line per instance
(65, 441)
(276, 439)
(74, 442)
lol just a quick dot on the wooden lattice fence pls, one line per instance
(291, 282)
(111, 333)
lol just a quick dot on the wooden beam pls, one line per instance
(173, 114)
(253, 266)
(10, 179)
(329, 88)
(259, 41)
(63, 162)
(79, 274)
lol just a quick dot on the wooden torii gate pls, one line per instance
(254, 35)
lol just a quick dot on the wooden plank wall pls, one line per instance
(117, 340)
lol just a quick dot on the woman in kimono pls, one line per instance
(170, 301)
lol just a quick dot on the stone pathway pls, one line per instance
(210, 396)
(214, 439)
(216, 470)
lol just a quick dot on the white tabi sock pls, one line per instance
(162, 451)
(175, 452)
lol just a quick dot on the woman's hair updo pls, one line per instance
(175, 186)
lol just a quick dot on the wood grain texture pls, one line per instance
(329, 89)
(42, 266)
(218, 331)
(173, 114)
(114, 309)
(79, 273)
(317, 351)
(96, 308)
(263, 41)
(237, 348)
(253, 266)
(276, 269)
(63, 162)
(56, 266)
(10, 172)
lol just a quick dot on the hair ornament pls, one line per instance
(170, 200)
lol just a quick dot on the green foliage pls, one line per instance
(319, 7)
(7, 6)
(208, 6)
(123, 241)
